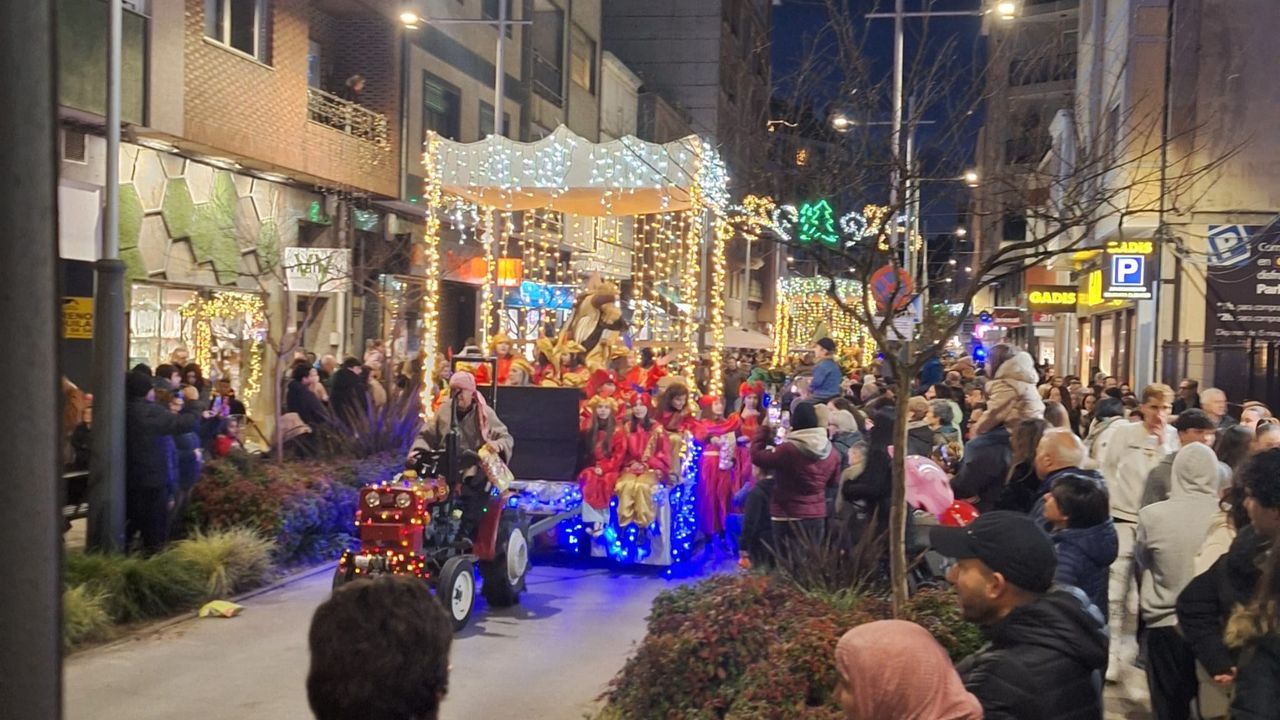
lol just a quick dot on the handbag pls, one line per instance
(495, 469)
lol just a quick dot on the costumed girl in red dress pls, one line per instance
(646, 463)
(750, 415)
(717, 484)
(500, 346)
(605, 446)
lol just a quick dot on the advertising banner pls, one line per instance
(1051, 298)
(1242, 283)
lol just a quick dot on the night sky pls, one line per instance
(793, 19)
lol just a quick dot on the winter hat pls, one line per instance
(804, 417)
(827, 344)
(137, 385)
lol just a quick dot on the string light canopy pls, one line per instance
(805, 305)
(676, 191)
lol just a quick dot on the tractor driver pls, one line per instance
(478, 426)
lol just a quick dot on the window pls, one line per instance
(582, 66)
(315, 58)
(239, 24)
(489, 11)
(440, 107)
(486, 120)
(548, 55)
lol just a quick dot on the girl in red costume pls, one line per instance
(646, 463)
(750, 415)
(676, 417)
(606, 446)
(717, 484)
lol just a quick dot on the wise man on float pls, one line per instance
(596, 317)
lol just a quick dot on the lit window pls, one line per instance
(802, 156)
(239, 24)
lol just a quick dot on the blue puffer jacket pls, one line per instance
(1084, 559)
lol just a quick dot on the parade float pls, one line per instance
(588, 251)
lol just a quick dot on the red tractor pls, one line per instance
(411, 525)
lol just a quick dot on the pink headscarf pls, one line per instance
(897, 671)
(463, 380)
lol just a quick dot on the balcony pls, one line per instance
(348, 118)
(1039, 70)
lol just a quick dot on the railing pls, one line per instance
(548, 79)
(347, 117)
(1042, 69)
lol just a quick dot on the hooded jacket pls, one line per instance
(1131, 453)
(920, 439)
(1171, 532)
(1041, 661)
(1084, 559)
(983, 469)
(1012, 394)
(805, 466)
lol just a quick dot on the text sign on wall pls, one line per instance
(77, 318)
(1127, 269)
(318, 270)
(1051, 298)
(1242, 283)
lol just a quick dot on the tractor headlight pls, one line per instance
(403, 500)
(371, 499)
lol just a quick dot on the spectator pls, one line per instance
(1252, 412)
(1059, 453)
(349, 398)
(805, 466)
(866, 488)
(943, 421)
(1056, 415)
(1233, 446)
(228, 395)
(1011, 395)
(1188, 396)
(179, 356)
(301, 400)
(919, 434)
(1169, 535)
(1020, 488)
(379, 650)
(149, 429)
(1088, 401)
(1266, 435)
(1254, 633)
(327, 366)
(1208, 600)
(1108, 416)
(170, 373)
(1133, 451)
(1061, 395)
(193, 376)
(844, 432)
(985, 467)
(1084, 535)
(975, 416)
(1193, 426)
(189, 455)
(945, 394)
(353, 88)
(826, 373)
(1044, 647)
(1214, 402)
(895, 669)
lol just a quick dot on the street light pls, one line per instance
(842, 123)
(971, 178)
(410, 20)
(1007, 9)
(961, 232)
(968, 269)
(952, 261)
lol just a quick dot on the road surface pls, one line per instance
(549, 658)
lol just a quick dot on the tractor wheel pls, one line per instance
(456, 590)
(504, 575)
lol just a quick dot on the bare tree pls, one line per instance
(826, 142)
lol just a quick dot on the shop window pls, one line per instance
(239, 24)
(223, 332)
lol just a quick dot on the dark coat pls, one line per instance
(920, 441)
(801, 479)
(1020, 492)
(349, 396)
(190, 462)
(1043, 661)
(1257, 695)
(1207, 601)
(150, 455)
(984, 468)
(300, 400)
(841, 442)
(1084, 559)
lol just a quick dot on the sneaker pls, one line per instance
(1113, 671)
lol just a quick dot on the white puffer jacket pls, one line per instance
(1012, 395)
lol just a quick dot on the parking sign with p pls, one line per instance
(1126, 271)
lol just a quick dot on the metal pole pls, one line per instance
(30, 521)
(106, 479)
(499, 72)
(898, 52)
(746, 284)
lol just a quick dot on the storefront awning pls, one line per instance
(743, 339)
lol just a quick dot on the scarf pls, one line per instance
(895, 670)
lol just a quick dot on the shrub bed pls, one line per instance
(757, 647)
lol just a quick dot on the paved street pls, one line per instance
(551, 657)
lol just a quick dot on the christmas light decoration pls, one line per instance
(488, 238)
(804, 304)
(430, 307)
(250, 310)
(817, 223)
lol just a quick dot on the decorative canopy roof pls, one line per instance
(565, 172)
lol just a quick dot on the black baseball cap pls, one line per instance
(827, 344)
(1007, 542)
